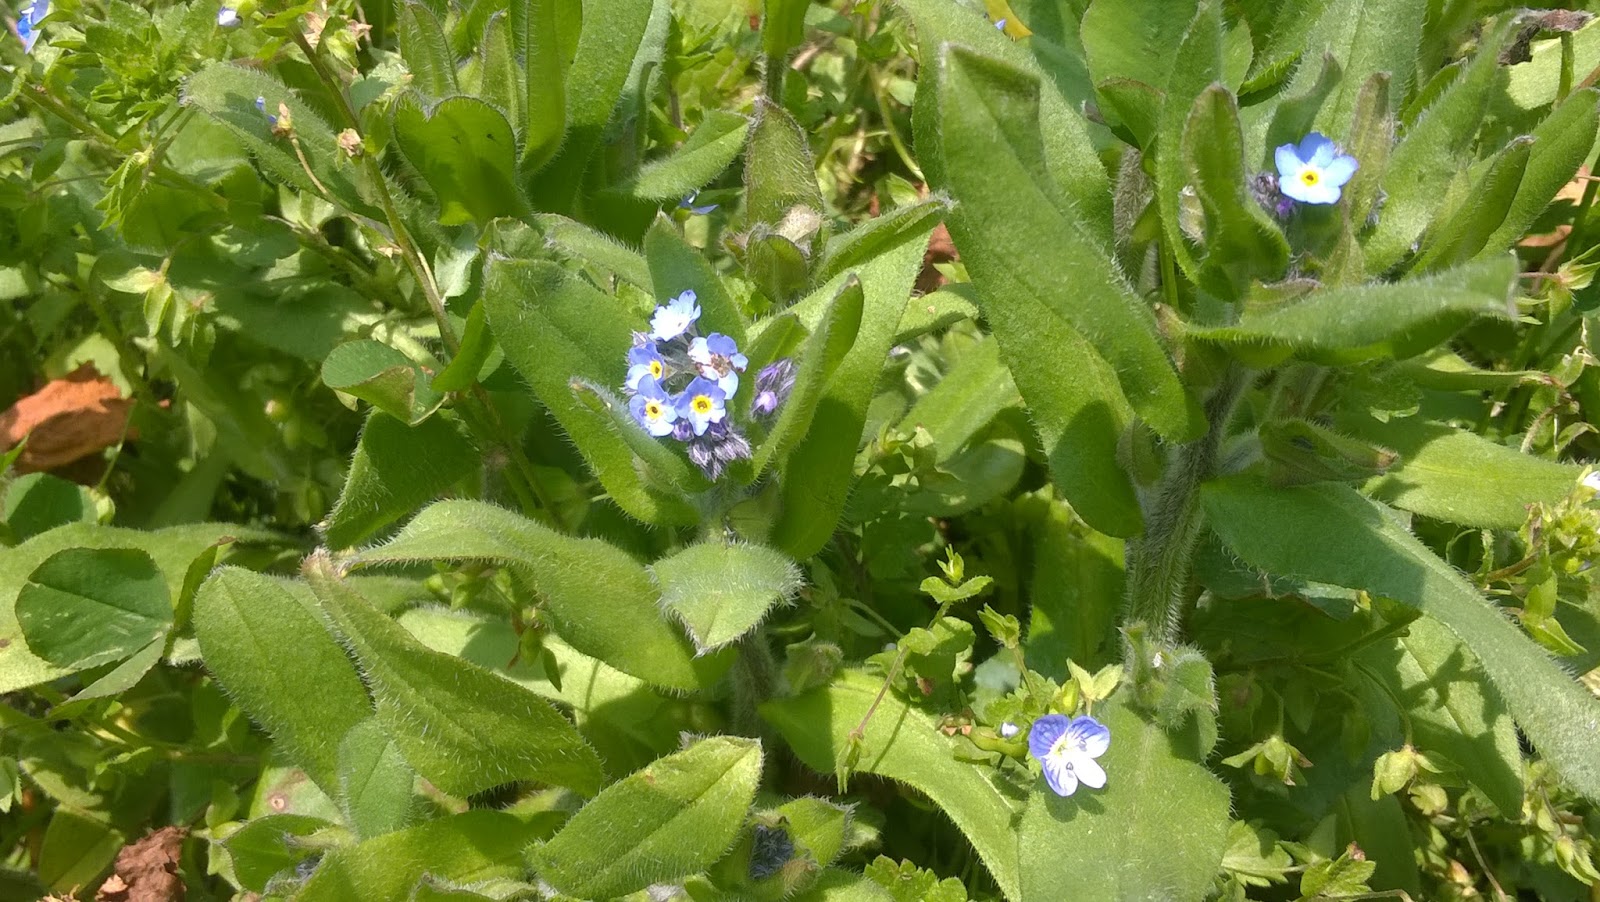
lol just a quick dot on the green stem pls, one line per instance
(1159, 561)
(755, 679)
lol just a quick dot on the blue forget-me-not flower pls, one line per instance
(227, 17)
(688, 203)
(653, 407)
(28, 19)
(717, 357)
(702, 404)
(675, 318)
(645, 361)
(1313, 172)
(1067, 747)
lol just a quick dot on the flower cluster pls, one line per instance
(1066, 749)
(28, 19)
(680, 384)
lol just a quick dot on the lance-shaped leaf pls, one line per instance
(554, 329)
(1365, 37)
(1157, 830)
(498, 73)
(1360, 545)
(672, 819)
(1197, 64)
(571, 240)
(711, 147)
(544, 32)
(612, 36)
(904, 744)
(879, 235)
(1242, 243)
(1560, 145)
(463, 728)
(473, 846)
(597, 597)
(1475, 209)
(1132, 45)
(383, 377)
(1345, 325)
(396, 469)
(778, 172)
(1013, 225)
(466, 152)
(722, 591)
(83, 607)
(1459, 476)
(375, 782)
(1431, 154)
(228, 93)
(1452, 710)
(270, 651)
(425, 50)
(820, 356)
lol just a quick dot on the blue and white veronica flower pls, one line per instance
(227, 17)
(1313, 172)
(645, 362)
(702, 404)
(688, 203)
(675, 317)
(717, 357)
(1067, 749)
(28, 19)
(655, 410)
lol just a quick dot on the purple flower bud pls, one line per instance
(683, 431)
(773, 384)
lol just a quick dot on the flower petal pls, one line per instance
(1298, 190)
(1046, 730)
(1289, 163)
(1323, 192)
(1089, 771)
(1061, 778)
(1317, 150)
(1340, 170)
(1091, 734)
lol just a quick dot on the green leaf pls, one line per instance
(612, 37)
(820, 471)
(672, 819)
(541, 30)
(555, 329)
(1347, 325)
(879, 235)
(709, 150)
(1076, 590)
(463, 728)
(383, 377)
(1242, 243)
(574, 241)
(968, 398)
(821, 355)
(1459, 476)
(265, 846)
(1135, 40)
(1365, 37)
(722, 591)
(499, 73)
(1432, 152)
(466, 151)
(775, 265)
(396, 469)
(783, 27)
(227, 93)
(39, 502)
(77, 849)
(675, 267)
(1016, 231)
(1462, 227)
(778, 171)
(470, 362)
(904, 744)
(1157, 830)
(1359, 545)
(477, 845)
(1440, 683)
(427, 55)
(1197, 64)
(596, 597)
(249, 626)
(1560, 145)
(84, 606)
(374, 781)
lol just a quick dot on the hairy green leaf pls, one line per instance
(466, 151)
(472, 846)
(88, 606)
(722, 591)
(396, 469)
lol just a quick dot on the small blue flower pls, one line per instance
(688, 204)
(261, 104)
(675, 318)
(1314, 172)
(1000, 24)
(717, 357)
(644, 362)
(702, 404)
(770, 851)
(1067, 749)
(653, 408)
(773, 384)
(227, 17)
(1009, 729)
(28, 19)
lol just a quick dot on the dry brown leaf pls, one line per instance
(67, 420)
(147, 870)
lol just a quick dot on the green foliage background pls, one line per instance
(380, 593)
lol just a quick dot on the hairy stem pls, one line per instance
(1159, 561)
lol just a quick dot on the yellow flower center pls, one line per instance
(656, 369)
(1309, 177)
(652, 410)
(701, 404)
